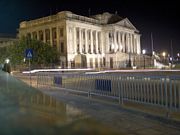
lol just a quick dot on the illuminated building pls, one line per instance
(103, 40)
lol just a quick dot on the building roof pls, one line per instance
(108, 18)
(5, 35)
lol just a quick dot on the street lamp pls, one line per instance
(171, 62)
(178, 56)
(7, 61)
(164, 55)
(144, 52)
(6, 65)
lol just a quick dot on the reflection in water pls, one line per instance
(26, 111)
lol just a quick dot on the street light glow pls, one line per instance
(7, 60)
(164, 54)
(143, 51)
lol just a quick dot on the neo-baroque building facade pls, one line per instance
(102, 40)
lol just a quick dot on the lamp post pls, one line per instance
(170, 62)
(164, 55)
(7, 62)
(178, 56)
(144, 52)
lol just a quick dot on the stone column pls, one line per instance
(132, 46)
(96, 42)
(135, 46)
(37, 35)
(101, 42)
(86, 41)
(138, 45)
(107, 41)
(44, 36)
(127, 42)
(88, 62)
(58, 38)
(115, 41)
(120, 41)
(75, 41)
(91, 41)
(80, 40)
(123, 41)
(51, 39)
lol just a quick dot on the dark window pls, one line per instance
(28, 35)
(54, 33)
(47, 32)
(78, 50)
(62, 47)
(84, 35)
(34, 35)
(41, 35)
(89, 33)
(77, 34)
(61, 32)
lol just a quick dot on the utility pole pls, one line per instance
(152, 44)
(172, 50)
(89, 11)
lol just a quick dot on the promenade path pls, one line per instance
(25, 110)
(113, 118)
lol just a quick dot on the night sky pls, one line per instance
(159, 17)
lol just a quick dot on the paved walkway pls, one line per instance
(125, 121)
(25, 110)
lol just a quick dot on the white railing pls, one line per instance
(163, 91)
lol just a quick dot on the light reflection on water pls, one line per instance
(26, 111)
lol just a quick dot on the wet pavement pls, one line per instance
(128, 122)
(27, 111)
(84, 116)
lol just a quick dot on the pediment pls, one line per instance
(126, 23)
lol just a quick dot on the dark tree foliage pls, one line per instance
(43, 54)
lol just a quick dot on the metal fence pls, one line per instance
(163, 91)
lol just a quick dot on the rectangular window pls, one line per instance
(28, 35)
(62, 47)
(78, 49)
(104, 61)
(47, 32)
(34, 35)
(54, 44)
(96, 62)
(91, 63)
(61, 32)
(84, 35)
(101, 62)
(54, 33)
(89, 49)
(41, 35)
(77, 33)
(89, 33)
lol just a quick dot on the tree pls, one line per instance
(43, 54)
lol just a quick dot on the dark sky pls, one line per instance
(161, 17)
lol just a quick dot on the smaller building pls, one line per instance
(7, 40)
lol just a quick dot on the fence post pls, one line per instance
(119, 90)
(170, 83)
(37, 79)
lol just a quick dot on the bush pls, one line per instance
(7, 68)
